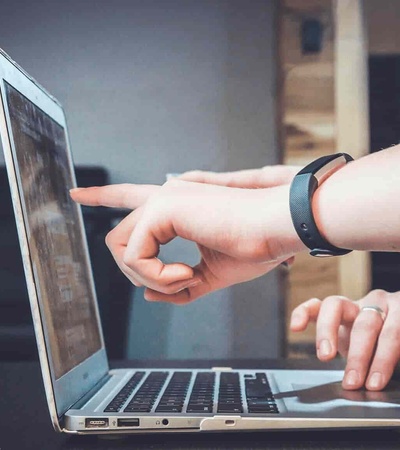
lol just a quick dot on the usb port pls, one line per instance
(96, 423)
(128, 422)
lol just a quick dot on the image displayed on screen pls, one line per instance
(55, 238)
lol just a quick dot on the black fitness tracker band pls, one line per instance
(302, 190)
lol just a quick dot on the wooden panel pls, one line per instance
(308, 84)
(352, 118)
(323, 102)
(308, 131)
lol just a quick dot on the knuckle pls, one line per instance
(126, 272)
(110, 239)
(330, 303)
(172, 183)
(378, 294)
(333, 300)
(309, 303)
(307, 307)
(158, 203)
(134, 282)
(129, 260)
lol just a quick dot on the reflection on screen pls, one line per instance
(55, 238)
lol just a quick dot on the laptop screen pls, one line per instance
(55, 237)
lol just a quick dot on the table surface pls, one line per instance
(25, 422)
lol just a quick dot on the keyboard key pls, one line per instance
(174, 395)
(263, 410)
(230, 410)
(199, 409)
(229, 398)
(172, 409)
(260, 399)
(148, 392)
(255, 389)
(118, 401)
(202, 396)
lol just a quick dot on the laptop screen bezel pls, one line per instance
(70, 387)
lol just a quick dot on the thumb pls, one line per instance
(129, 196)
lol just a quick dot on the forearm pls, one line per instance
(358, 207)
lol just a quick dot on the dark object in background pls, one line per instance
(17, 340)
(312, 32)
(384, 100)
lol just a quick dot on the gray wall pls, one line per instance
(158, 86)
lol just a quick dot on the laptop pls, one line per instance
(84, 396)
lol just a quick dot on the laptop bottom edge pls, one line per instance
(160, 400)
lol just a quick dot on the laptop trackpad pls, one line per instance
(325, 395)
(312, 394)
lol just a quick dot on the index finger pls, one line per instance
(304, 313)
(129, 196)
(335, 310)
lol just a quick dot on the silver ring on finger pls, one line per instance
(376, 309)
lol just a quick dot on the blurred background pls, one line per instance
(159, 86)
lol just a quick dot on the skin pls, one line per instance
(233, 249)
(370, 344)
(241, 223)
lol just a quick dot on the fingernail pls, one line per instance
(286, 266)
(296, 321)
(325, 348)
(375, 380)
(195, 282)
(76, 189)
(351, 378)
(191, 284)
(170, 176)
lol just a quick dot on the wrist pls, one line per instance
(283, 240)
(330, 205)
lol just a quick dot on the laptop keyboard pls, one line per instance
(229, 397)
(201, 400)
(259, 396)
(123, 395)
(147, 394)
(174, 396)
(202, 397)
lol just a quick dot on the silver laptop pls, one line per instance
(83, 395)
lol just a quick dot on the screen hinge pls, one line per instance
(83, 400)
